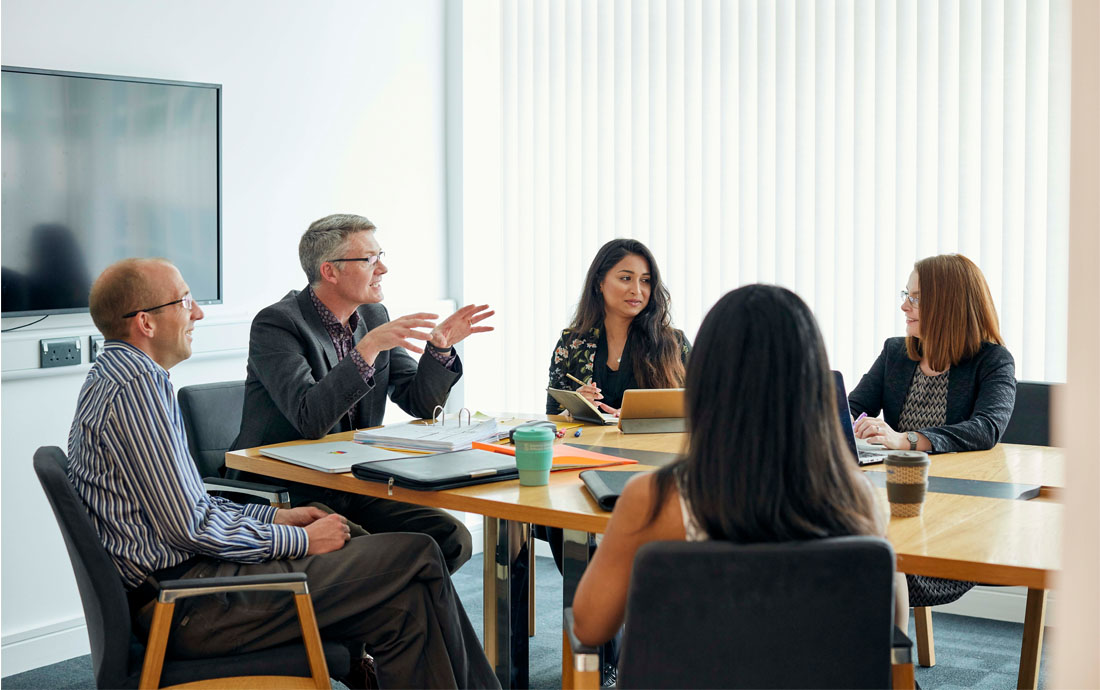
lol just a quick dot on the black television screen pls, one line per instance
(98, 168)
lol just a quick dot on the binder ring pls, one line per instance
(441, 414)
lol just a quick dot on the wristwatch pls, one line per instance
(912, 436)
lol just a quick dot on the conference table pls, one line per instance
(961, 534)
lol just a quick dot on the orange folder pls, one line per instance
(566, 457)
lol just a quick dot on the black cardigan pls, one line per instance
(980, 396)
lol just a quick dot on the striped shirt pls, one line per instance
(128, 460)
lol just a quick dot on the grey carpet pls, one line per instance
(970, 652)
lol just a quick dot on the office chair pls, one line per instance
(1029, 425)
(212, 420)
(1030, 422)
(118, 658)
(816, 614)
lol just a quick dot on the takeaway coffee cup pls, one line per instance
(534, 454)
(906, 482)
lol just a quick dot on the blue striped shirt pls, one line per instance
(128, 460)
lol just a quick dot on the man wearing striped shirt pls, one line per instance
(129, 462)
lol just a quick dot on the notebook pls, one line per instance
(337, 456)
(438, 437)
(652, 411)
(865, 455)
(440, 471)
(581, 407)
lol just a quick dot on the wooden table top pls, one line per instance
(996, 541)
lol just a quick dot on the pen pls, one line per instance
(575, 379)
(861, 416)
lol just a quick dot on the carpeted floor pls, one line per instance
(970, 652)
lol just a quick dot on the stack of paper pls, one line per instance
(437, 438)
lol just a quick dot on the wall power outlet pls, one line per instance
(60, 352)
(96, 349)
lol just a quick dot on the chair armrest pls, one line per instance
(901, 662)
(171, 590)
(277, 496)
(585, 658)
(901, 650)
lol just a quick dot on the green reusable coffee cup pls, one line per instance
(534, 455)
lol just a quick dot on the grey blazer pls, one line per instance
(980, 396)
(296, 389)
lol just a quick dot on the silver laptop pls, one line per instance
(336, 456)
(861, 449)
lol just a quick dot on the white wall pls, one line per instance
(327, 107)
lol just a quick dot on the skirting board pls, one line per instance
(43, 646)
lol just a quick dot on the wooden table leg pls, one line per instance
(1032, 649)
(575, 561)
(926, 644)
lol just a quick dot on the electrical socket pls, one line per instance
(95, 347)
(60, 352)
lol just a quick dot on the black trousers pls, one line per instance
(388, 592)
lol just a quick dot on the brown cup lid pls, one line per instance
(907, 457)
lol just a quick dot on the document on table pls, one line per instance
(439, 437)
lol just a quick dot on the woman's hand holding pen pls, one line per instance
(588, 390)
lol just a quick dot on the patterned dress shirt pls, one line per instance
(343, 339)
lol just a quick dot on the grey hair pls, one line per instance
(325, 240)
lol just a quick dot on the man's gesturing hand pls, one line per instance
(327, 534)
(396, 333)
(459, 325)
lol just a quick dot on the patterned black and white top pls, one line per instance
(978, 399)
(926, 403)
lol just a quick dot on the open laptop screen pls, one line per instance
(844, 413)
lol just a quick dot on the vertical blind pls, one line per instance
(823, 146)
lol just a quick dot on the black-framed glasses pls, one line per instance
(187, 301)
(915, 301)
(368, 260)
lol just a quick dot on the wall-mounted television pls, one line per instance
(97, 168)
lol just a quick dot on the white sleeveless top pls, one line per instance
(692, 530)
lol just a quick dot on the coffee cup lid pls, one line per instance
(907, 457)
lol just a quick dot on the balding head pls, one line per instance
(123, 287)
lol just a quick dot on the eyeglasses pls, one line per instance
(187, 301)
(369, 260)
(915, 301)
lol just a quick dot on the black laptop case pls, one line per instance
(440, 471)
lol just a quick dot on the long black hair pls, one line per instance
(766, 461)
(655, 350)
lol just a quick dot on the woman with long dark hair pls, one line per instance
(621, 336)
(767, 461)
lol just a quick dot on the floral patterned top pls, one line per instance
(575, 354)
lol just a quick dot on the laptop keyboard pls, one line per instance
(870, 457)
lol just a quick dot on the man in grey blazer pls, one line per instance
(323, 359)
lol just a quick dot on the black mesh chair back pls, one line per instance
(1030, 422)
(102, 595)
(212, 418)
(117, 653)
(813, 614)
